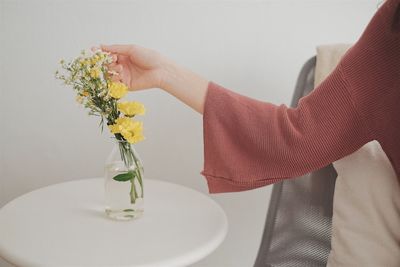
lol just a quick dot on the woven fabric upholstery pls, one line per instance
(297, 230)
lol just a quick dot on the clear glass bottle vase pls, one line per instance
(124, 182)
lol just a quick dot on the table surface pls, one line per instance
(65, 225)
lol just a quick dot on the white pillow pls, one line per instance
(366, 211)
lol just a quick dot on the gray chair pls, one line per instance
(297, 230)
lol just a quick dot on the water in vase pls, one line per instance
(124, 199)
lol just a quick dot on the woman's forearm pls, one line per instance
(187, 86)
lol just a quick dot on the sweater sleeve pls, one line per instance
(250, 143)
(372, 66)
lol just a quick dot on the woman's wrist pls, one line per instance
(184, 84)
(170, 72)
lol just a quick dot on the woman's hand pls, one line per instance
(142, 68)
(137, 67)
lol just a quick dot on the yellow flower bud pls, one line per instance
(94, 59)
(79, 99)
(84, 62)
(95, 73)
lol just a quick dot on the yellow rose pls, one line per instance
(114, 128)
(95, 73)
(129, 129)
(131, 108)
(135, 139)
(134, 134)
(121, 124)
(117, 90)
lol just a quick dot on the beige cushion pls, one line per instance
(366, 203)
(328, 56)
(366, 211)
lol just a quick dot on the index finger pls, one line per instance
(118, 49)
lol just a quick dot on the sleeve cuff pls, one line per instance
(223, 185)
(213, 156)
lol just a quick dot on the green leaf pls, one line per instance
(123, 177)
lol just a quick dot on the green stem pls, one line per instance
(133, 193)
(139, 175)
(129, 157)
(136, 194)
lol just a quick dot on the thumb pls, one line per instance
(118, 49)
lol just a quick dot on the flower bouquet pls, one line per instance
(95, 89)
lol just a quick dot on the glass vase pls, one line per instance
(124, 182)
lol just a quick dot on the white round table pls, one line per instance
(65, 225)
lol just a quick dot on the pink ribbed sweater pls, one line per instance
(250, 143)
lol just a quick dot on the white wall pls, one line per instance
(253, 47)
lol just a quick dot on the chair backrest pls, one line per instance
(297, 230)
